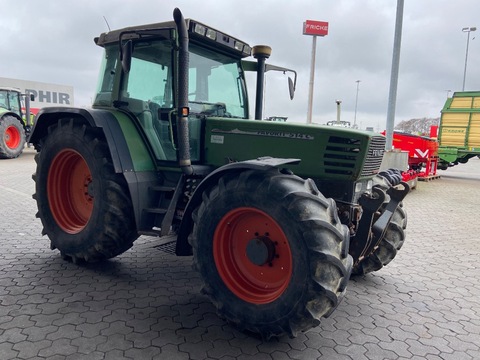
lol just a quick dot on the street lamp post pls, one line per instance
(356, 103)
(468, 30)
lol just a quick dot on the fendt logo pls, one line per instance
(312, 27)
(377, 152)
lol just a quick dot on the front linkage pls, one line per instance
(379, 209)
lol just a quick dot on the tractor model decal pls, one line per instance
(269, 133)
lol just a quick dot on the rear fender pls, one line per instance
(261, 164)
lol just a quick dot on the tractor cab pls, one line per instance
(146, 87)
(141, 80)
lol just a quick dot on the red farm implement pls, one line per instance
(422, 155)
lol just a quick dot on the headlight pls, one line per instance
(363, 186)
(358, 187)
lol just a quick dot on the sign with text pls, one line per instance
(45, 94)
(312, 27)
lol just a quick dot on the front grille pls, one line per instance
(374, 156)
(341, 155)
(344, 155)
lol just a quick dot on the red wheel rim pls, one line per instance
(69, 191)
(237, 232)
(12, 137)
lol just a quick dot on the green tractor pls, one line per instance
(14, 124)
(276, 215)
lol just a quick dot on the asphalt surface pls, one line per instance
(146, 304)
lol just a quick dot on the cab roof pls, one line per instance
(196, 30)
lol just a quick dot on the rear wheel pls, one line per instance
(393, 240)
(271, 251)
(12, 137)
(83, 204)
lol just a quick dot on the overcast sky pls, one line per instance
(52, 41)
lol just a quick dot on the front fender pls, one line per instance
(261, 164)
(118, 129)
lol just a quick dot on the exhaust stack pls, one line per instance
(182, 100)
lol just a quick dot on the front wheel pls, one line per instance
(12, 137)
(84, 206)
(271, 251)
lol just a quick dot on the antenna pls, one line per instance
(106, 22)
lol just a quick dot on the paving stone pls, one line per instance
(87, 346)
(352, 351)
(28, 349)
(58, 347)
(221, 349)
(197, 351)
(39, 333)
(262, 356)
(115, 342)
(21, 322)
(12, 335)
(145, 353)
(95, 355)
(64, 332)
(172, 352)
(306, 354)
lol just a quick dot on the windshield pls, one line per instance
(215, 84)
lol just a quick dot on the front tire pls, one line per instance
(271, 251)
(12, 137)
(84, 206)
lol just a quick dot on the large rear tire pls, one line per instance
(84, 206)
(271, 251)
(12, 137)
(393, 240)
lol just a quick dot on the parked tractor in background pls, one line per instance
(14, 123)
(275, 214)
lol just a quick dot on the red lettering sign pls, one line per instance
(312, 27)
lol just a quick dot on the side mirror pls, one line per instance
(126, 56)
(291, 87)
